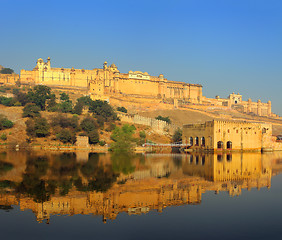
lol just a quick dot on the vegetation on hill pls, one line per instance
(122, 109)
(166, 119)
(5, 122)
(123, 139)
(177, 136)
(6, 71)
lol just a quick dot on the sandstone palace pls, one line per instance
(101, 83)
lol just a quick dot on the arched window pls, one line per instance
(196, 141)
(203, 160)
(203, 141)
(228, 157)
(220, 145)
(229, 145)
(191, 141)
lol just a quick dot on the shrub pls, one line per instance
(102, 108)
(7, 101)
(88, 124)
(102, 143)
(5, 122)
(142, 134)
(31, 110)
(177, 136)
(111, 127)
(4, 137)
(64, 122)
(122, 109)
(30, 128)
(6, 71)
(38, 127)
(93, 136)
(66, 136)
(166, 119)
(78, 108)
(39, 95)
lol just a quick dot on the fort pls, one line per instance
(106, 82)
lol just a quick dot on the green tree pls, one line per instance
(177, 136)
(66, 106)
(88, 124)
(39, 95)
(31, 110)
(6, 71)
(64, 97)
(103, 109)
(123, 139)
(30, 128)
(41, 127)
(93, 136)
(78, 108)
(52, 104)
(22, 98)
(66, 136)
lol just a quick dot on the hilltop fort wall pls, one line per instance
(109, 80)
(101, 83)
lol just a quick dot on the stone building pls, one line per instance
(9, 78)
(108, 80)
(235, 101)
(222, 135)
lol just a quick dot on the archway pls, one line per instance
(203, 141)
(229, 145)
(191, 141)
(220, 145)
(196, 141)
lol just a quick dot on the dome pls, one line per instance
(113, 66)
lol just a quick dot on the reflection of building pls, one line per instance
(151, 188)
(229, 135)
(108, 81)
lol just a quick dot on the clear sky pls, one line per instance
(225, 45)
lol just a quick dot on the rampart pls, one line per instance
(158, 126)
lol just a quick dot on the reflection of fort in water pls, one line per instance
(156, 182)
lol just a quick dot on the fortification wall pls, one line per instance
(158, 126)
(9, 78)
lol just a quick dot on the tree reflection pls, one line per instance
(122, 163)
(100, 178)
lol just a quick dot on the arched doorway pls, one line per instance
(229, 145)
(219, 145)
(191, 141)
(196, 141)
(203, 141)
(203, 160)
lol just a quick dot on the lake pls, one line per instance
(54, 195)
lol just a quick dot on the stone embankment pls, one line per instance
(159, 126)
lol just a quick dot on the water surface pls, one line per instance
(101, 196)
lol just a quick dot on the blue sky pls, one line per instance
(225, 45)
